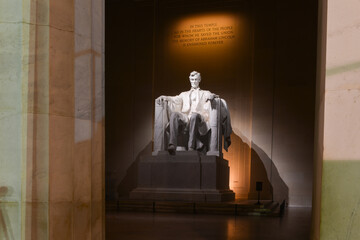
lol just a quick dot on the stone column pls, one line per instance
(12, 117)
(51, 119)
(337, 190)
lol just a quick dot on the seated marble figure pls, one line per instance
(193, 120)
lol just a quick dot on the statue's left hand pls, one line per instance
(212, 97)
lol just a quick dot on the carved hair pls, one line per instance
(195, 73)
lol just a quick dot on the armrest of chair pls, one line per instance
(160, 121)
(215, 144)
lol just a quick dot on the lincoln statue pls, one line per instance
(190, 113)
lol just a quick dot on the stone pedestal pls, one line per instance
(186, 176)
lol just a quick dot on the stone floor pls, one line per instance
(294, 225)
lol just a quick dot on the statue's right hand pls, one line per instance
(160, 99)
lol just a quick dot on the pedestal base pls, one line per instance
(186, 176)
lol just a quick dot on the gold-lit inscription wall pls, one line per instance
(203, 34)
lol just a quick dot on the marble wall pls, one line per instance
(52, 119)
(129, 103)
(338, 148)
(284, 99)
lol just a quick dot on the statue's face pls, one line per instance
(194, 81)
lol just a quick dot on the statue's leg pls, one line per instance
(195, 120)
(176, 122)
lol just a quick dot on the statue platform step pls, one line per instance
(186, 176)
(238, 208)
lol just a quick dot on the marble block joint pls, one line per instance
(186, 176)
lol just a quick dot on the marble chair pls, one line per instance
(218, 125)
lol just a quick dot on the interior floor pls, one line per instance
(295, 225)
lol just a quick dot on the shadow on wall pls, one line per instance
(5, 226)
(264, 170)
(129, 182)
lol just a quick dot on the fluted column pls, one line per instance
(52, 119)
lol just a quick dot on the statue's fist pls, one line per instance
(160, 99)
(212, 97)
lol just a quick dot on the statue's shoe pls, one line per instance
(171, 149)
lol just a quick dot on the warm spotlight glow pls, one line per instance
(206, 33)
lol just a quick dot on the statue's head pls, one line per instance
(195, 79)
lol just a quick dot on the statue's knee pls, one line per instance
(195, 117)
(174, 116)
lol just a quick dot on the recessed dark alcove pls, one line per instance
(265, 69)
